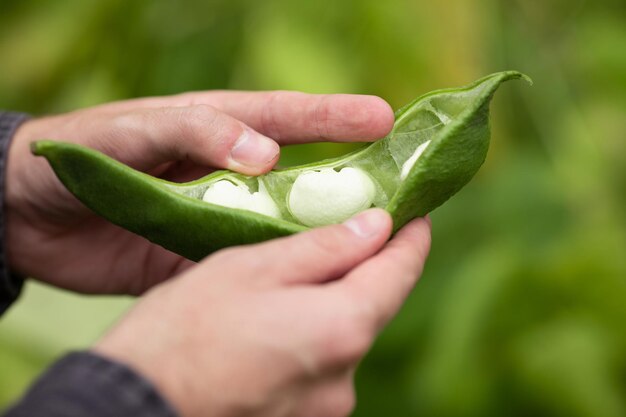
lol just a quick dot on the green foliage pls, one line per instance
(521, 308)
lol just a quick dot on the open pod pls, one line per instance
(437, 144)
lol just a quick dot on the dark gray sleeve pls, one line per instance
(83, 384)
(10, 284)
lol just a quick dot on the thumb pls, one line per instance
(318, 255)
(201, 134)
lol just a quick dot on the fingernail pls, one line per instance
(253, 149)
(366, 224)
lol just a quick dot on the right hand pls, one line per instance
(273, 329)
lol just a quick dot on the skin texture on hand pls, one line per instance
(273, 329)
(52, 237)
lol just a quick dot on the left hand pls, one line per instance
(52, 237)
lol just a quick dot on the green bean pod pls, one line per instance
(452, 125)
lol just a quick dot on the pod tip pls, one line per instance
(526, 78)
(34, 147)
(507, 75)
(39, 147)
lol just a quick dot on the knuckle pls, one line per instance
(341, 402)
(374, 311)
(321, 116)
(196, 120)
(343, 342)
(130, 123)
(269, 122)
(204, 113)
(403, 268)
(367, 314)
(363, 309)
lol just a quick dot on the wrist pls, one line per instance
(82, 383)
(140, 343)
(151, 367)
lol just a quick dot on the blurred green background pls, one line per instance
(522, 307)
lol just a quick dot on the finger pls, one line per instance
(380, 285)
(200, 134)
(292, 117)
(316, 256)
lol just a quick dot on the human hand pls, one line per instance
(273, 329)
(54, 238)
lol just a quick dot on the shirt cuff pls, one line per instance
(10, 284)
(84, 384)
